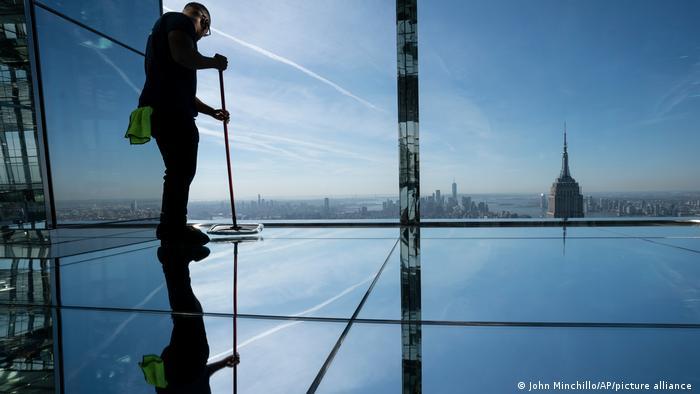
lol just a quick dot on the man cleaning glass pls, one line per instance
(171, 64)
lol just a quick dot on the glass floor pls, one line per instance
(354, 310)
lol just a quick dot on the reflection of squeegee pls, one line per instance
(235, 230)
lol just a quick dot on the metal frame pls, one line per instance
(86, 27)
(689, 221)
(57, 325)
(40, 120)
(407, 96)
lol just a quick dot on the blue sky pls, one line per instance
(498, 79)
(312, 91)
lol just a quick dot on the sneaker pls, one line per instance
(186, 236)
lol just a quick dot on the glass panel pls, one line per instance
(550, 279)
(303, 277)
(90, 87)
(282, 356)
(129, 21)
(368, 362)
(102, 351)
(496, 359)
(501, 81)
(28, 353)
(310, 118)
(507, 356)
(117, 342)
(25, 281)
(21, 188)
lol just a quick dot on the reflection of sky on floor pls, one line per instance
(601, 275)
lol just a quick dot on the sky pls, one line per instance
(311, 87)
(497, 82)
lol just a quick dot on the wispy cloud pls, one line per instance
(101, 45)
(293, 64)
(683, 90)
(282, 326)
(299, 67)
(293, 148)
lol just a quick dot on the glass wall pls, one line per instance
(128, 21)
(533, 110)
(26, 333)
(21, 189)
(502, 80)
(90, 86)
(311, 87)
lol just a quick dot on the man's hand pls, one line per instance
(220, 62)
(233, 360)
(221, 114)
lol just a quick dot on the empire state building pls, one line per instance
(565, 199)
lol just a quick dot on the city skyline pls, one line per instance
(434, 206)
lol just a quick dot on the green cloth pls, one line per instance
(154, 370)
(139, 131)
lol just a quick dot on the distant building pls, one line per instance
(565, 199)
(454, 190)
(467, 204)
(543, 205)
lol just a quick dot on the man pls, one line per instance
(172, 61)
(185, 359)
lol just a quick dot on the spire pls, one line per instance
(565, 159)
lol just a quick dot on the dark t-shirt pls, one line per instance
(169, 86)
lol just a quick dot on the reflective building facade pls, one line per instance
(22, 200)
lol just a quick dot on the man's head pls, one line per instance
(200, 16)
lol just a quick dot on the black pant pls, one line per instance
(186, 356)
(177, 137)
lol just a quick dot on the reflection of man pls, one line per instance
(172, 61)
(185, 358)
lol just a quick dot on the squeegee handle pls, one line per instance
(228, 151)
(235, 315)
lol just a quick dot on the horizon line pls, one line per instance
(377, 195)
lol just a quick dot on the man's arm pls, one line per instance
(218, 114)
(229, 362)
(184, 53)
(203, 108)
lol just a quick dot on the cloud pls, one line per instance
(292, 148)
(686, 88)
(299, 67)
(282, 326)
(293, 64)
(101, 45)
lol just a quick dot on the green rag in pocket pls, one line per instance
(139, 130)
(154, 370)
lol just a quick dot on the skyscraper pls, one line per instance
(454, 190)
(543, 205)
(565, 199)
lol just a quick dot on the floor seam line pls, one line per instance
(322, 371)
